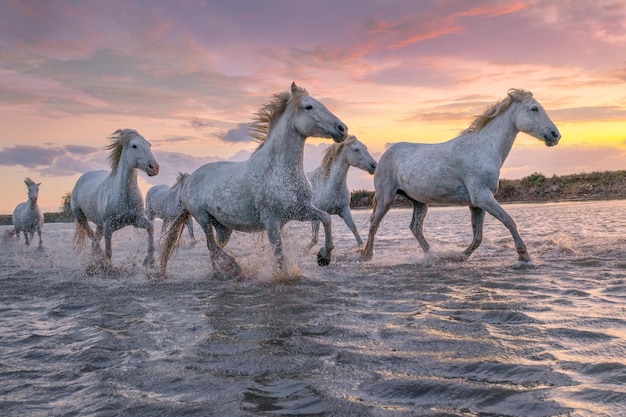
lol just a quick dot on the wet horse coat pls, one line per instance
(112, 200)
(264, 192)
(329, 182)
(462, 171)
(27, 217)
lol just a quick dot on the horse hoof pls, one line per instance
(524, 264)
(148, 262)
(321, 261)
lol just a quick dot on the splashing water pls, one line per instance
(405, 334)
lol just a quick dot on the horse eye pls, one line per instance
(308, 107)
(134, 146)
(534, 109)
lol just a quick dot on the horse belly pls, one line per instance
(439, 192)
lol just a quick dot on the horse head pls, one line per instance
(136, 152)
(531, 118)
(33, 190)
(312, 118)
(358, 156)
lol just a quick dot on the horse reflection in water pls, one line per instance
(27, 217)
(462, 171)
(163, 202)
(112, 200)
(264, 192)
(329, 182)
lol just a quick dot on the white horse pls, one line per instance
(329, 182)
(27, 218)
(462, 171)
(163, 202)
(264, 192)
(112, 200)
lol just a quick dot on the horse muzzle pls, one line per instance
(552, 138)
(340, 133)
(152, 169)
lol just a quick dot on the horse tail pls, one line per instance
(173, 236)
(80, 234)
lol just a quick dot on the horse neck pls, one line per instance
(338, 174)
(500, 133)
(284, 147)
(125, 178)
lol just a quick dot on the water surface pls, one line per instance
(402, 335)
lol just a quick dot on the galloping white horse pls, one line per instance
(112, 200)
(164, 202)
(264, 192)
(329, 181)
(462, 171)
(27, 218)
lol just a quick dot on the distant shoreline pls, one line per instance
(535, 188)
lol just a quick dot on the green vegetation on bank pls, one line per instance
(608, 185)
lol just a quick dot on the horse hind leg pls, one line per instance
(478, 219)
(221, 261)
(417, 223)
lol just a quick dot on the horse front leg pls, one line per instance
(323, 255)
(315, 229)
(478, 219)
(108, 234)
(312, 213)
(417, 223)
(26, 238)
(273, 229)
(380, 209)
(346, 215)
(492, 207)
(144, 223)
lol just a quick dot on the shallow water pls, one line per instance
(402, 335)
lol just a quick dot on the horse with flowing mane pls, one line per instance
(329, 182)
(27, 218)
(462, 171)
(163, 202)
(264, 192)
(112, 200)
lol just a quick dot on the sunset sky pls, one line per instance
(189, 74)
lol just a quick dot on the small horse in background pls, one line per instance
(462, 171)
(163, 202)
(264, 192)
(112, 200)
(27, 218)
(329, 182)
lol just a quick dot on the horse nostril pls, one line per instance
(554, 134)
(341, 128)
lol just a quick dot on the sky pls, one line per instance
(188, 76)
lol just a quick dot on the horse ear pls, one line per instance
(294, 87)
